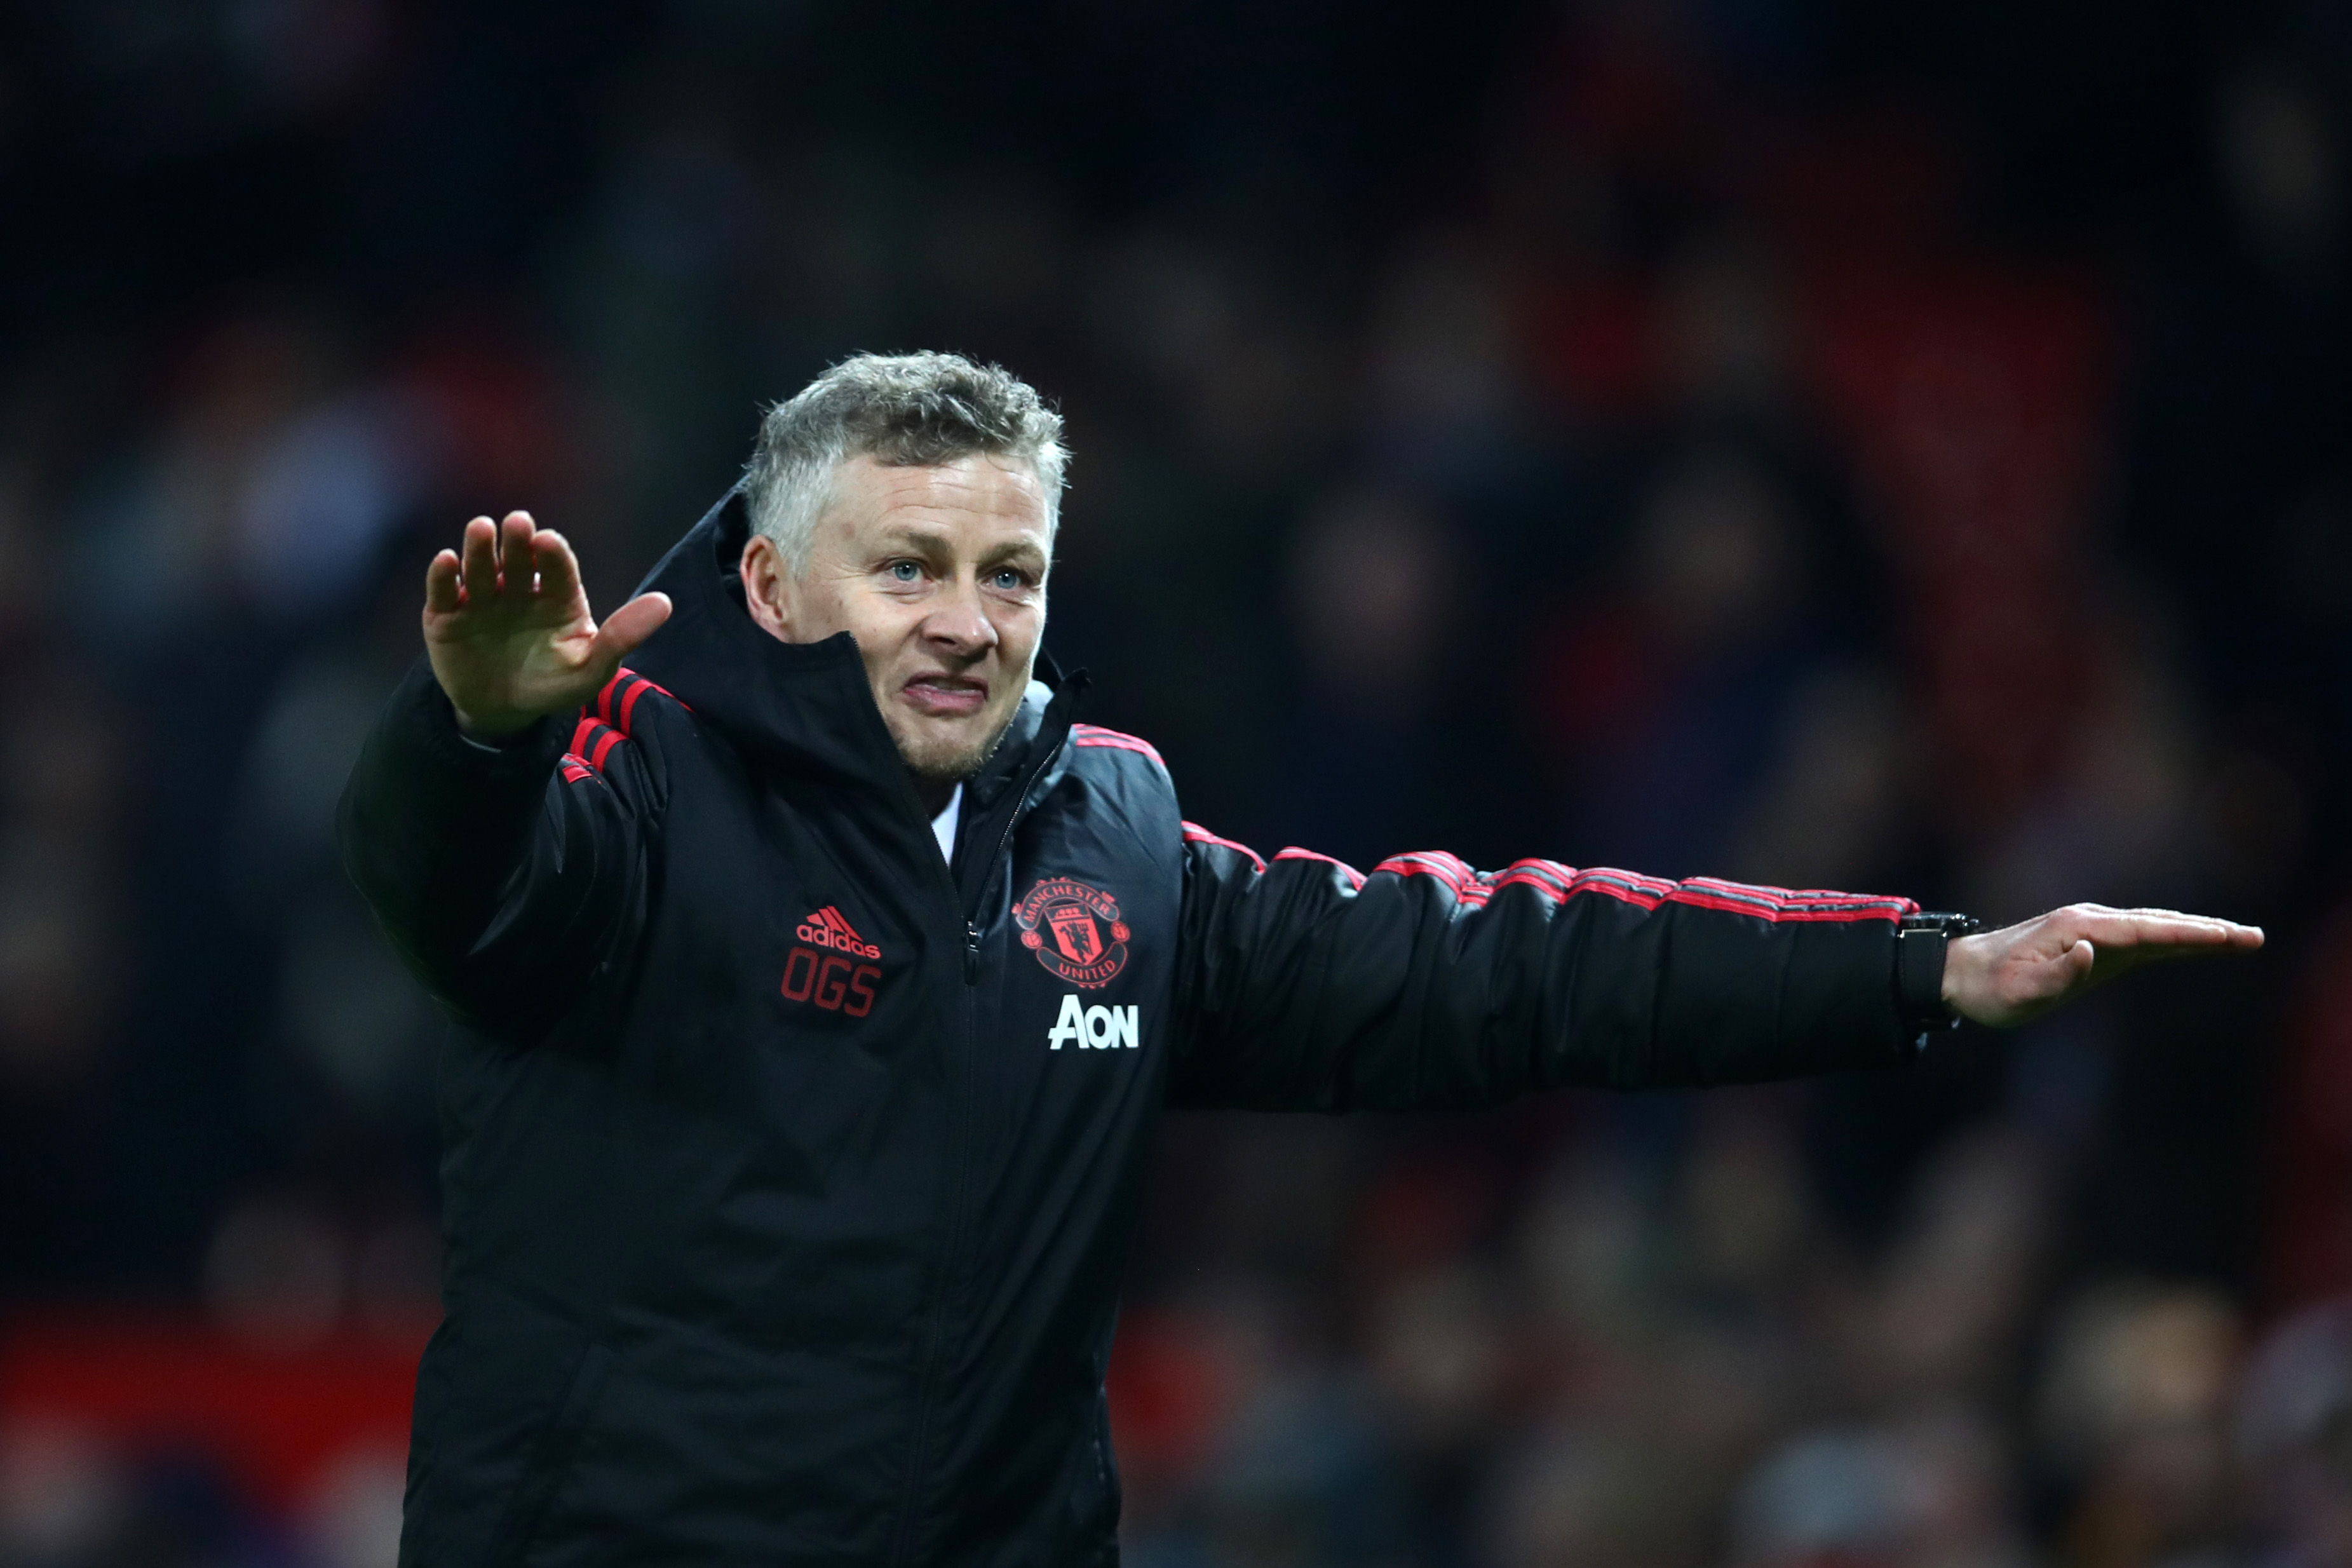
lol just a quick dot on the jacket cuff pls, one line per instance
(431, 727)
(1844, 984)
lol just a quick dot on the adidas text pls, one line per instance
(829, 928)
(1097, 1027)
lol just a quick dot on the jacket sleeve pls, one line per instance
(508, 878)
(1307, 985)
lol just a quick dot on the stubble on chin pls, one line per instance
(941, 760)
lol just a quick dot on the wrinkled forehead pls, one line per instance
(978, 505)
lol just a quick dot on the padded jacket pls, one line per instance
(789, 1167)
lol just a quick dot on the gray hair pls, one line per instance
(902, 410)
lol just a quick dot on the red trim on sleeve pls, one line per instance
(1355, 878)
(1625, 887)
(593, 741)
(1447, 869)
(1196, 833)
(629, 704)
(1558, 882)
(575, 770)
(618, 716)
(1096, 735)
(1630, 886)
(665, 690)
(1781, 904)
(605, 697)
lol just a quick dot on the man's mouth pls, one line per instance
(945, 696)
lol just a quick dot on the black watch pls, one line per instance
(1919, 943)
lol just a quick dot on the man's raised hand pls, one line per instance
(507, 629)
(2009, 976)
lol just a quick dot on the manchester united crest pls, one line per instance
(1074, 929)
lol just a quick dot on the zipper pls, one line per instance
(1066, 700)
(951, 1256)
(935, 1307)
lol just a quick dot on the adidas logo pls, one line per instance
(826, 928)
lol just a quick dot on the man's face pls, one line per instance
(939, 575)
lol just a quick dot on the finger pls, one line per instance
(2120, 958)
(559, 569)
(2152, 928)
(444, 594)
(2231, 933)
(480, 560)
(2171, 918)
(630, 625)
(2180, 937)
(515, 563)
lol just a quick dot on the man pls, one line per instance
(820, 983)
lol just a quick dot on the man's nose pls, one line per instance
(960, 618)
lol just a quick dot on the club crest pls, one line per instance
(1074, 929)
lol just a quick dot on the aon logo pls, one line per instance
(1097, 1027)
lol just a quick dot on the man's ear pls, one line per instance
(767, 587)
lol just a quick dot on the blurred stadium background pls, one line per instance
(1893, 448)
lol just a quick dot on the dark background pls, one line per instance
(1899, 448)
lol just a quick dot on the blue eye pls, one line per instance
(905, 571)
(1008, 578)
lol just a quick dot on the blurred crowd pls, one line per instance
(1723, 437)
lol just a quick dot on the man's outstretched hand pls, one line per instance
(2009, 976)
(507, 630)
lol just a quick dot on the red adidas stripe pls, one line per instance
(1561, 882)
(605, 723)
(1196, 833)
(1096, 735)
(1812, 897)
(1293, 852)
(1120, 744)
(593, 741)
(1606, 886)
(629, 704)
(1846, 915)
(665, 691)
(1447, 869)
(626, 686)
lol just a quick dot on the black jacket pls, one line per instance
(789, 1174)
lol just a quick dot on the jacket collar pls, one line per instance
(805, 707)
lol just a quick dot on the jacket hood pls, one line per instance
(805, 707)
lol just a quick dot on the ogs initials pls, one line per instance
(832, 981)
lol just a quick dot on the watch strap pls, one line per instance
(1921, 942)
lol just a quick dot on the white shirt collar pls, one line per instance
(943, 825)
